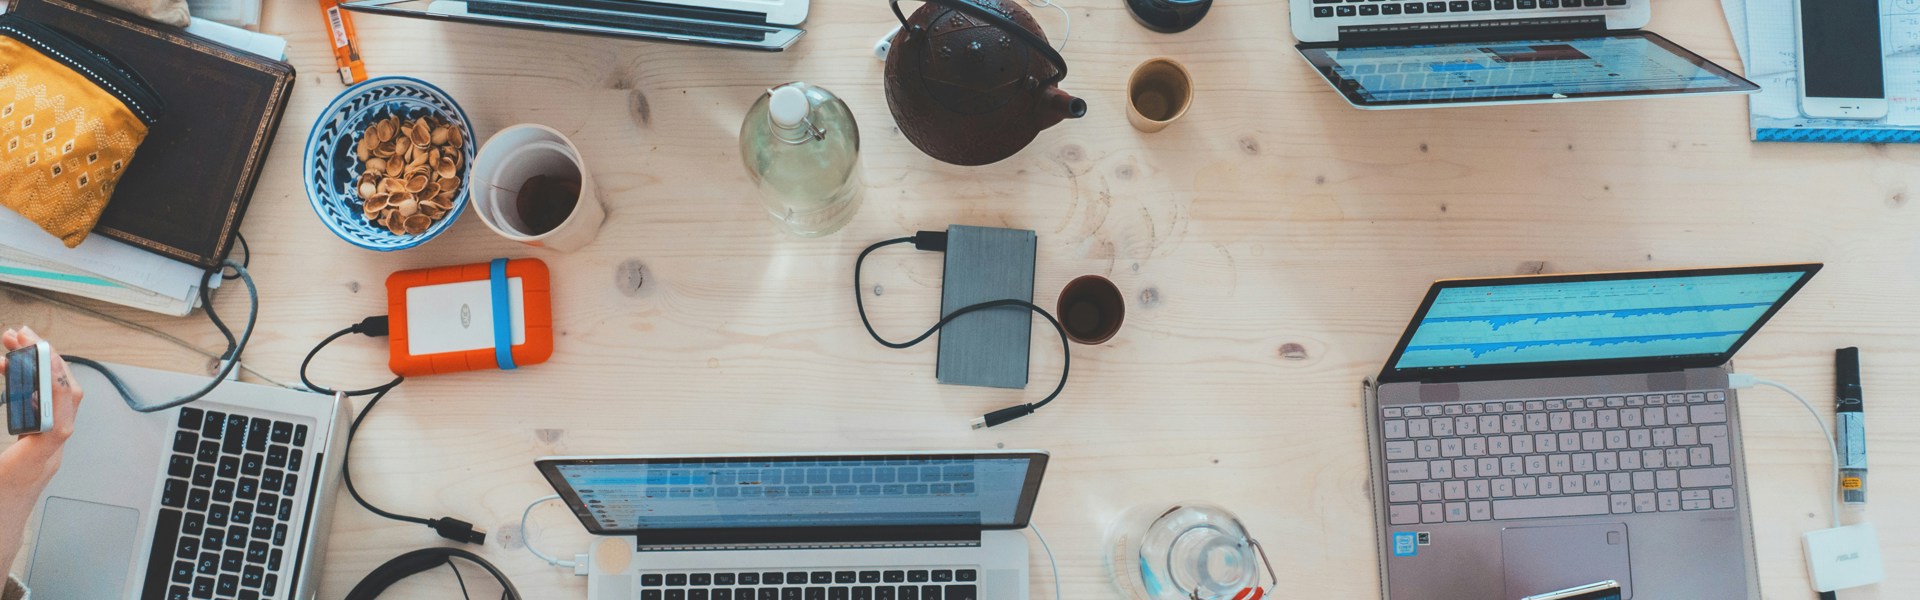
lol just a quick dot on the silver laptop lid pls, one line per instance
(749, 24)
(680, 499)
(1345, 20)
(1589, 324)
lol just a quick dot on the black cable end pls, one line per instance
(1828, 596)
(1002, 416)
(930, 241)
(458, 530)
(373, 326)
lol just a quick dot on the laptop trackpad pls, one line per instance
(1547, 559)
(83, 550)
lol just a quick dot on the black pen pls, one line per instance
(1850, 418)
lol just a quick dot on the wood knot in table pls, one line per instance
(630, 277)
(1293, 351)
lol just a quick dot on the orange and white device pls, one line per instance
(492, 315)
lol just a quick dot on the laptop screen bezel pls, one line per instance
(1576, 368)
(1317, 58)
(1029, 494)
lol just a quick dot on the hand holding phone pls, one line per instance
(29, 389)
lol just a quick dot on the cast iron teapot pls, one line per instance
(971, 82)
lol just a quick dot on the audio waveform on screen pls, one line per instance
(1498, 322)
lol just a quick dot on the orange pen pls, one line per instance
(346, 47)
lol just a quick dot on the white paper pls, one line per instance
(1772, 61)
(273, 47)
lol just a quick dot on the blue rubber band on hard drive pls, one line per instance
(502, 317)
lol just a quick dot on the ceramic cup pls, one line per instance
(1091, 309)
(1159, 91)
(512, 157)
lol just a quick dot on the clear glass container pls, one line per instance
(802, 148)
(1185, 552)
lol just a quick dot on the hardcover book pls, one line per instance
(188, 187)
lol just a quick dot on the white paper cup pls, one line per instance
(508, 160)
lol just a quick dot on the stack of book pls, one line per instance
(177, 211)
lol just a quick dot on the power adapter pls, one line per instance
(1844, 557)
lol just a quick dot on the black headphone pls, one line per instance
(418, 561)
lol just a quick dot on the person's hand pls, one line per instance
(27, 466)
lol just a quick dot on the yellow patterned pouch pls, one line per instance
(71, 118)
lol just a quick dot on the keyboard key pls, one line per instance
(723, 579)
(1344, 11)
(963, 575)
(229, 467)
(1366, 10)
(1395, 429)
(1403, 514)
(1432, 513)
(1322, 11)
(677, 579)
(300, 435)
(180, 465)
(1396, 471)
(1396, 492)
(700, 579)
(1436, 7)
(257, 431)
(822, 577)
(749, 579)
(209, 452)
(1560, 506)
(203, 475)
(1419, 427)
(897, 576)
(773, 578)
(282, 433)
(173, 493)
(203, 587)
(1390, 9)
(236, 438)
(940, 576)
(962, 592)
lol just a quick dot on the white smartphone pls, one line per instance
(29, 391)
(1841, 71)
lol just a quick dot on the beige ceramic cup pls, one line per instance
(1159, 91)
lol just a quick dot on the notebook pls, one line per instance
(188, 187)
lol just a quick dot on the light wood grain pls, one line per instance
(1271, 244)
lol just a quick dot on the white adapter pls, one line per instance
(1844, 557)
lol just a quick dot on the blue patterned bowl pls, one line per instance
(333, 166)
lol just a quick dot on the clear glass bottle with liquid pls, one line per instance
(801, 147)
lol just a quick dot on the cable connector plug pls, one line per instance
(930, 241)
(1741, 381)
(1002, 416)
(458, 530)
(372, 326)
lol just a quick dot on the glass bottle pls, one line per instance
(801, 147)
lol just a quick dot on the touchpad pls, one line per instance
(83, 550)
(1553, 558)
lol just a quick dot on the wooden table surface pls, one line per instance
(1271, 246)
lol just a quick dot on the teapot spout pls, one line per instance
(1061, 105)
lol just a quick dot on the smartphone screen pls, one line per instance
(23, 391)
(1841, 40)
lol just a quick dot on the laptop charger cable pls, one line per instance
(936, 241)
(378, 327)
(228, 360)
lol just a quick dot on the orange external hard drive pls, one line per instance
(493, 315)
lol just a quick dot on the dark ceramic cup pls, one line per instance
(1091, 309)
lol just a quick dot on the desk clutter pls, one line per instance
(1540, 436)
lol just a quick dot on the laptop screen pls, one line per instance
(613, 495)
(1620, 318)
(1623, 64)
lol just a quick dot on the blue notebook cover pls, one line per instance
(986, 348)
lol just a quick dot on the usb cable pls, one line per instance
(936, 241)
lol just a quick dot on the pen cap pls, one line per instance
(1846, 373)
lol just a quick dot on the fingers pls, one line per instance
(10, 339)
(28, 337)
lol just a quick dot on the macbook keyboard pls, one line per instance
(221, 532)
(1481, 461)
(1369, 8)
(838, 584)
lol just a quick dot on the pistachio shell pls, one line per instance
(366, 189)
(441, 134)
(416, 183)
(408, 207)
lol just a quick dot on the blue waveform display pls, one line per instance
(1498, 322)
(1479, 350)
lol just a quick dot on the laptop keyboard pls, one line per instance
(1369, 8)
(841, 584)
(225, 507)
(1480, 461)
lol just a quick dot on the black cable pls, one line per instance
(448, 527)
(457, 577)
(936, 241)
(244, 262)
(228, 360)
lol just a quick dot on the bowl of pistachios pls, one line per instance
(387, 163)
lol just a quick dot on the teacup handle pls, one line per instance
(1036, 42)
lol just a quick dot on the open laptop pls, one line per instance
(1538, 433)
(1424, 53)
(927, 526)
(229, 497)
(770, 25)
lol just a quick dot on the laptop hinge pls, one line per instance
(808, 538)
(1471, 31)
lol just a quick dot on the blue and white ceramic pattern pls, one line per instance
(333, 167)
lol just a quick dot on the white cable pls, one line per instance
(1066, 30)
(526, 535)
(1050, 561)
(1738, 380)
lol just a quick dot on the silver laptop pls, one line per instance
(1424, 53)
(229, 497)
(925, 526)
(1533, 434)
(770, 25)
